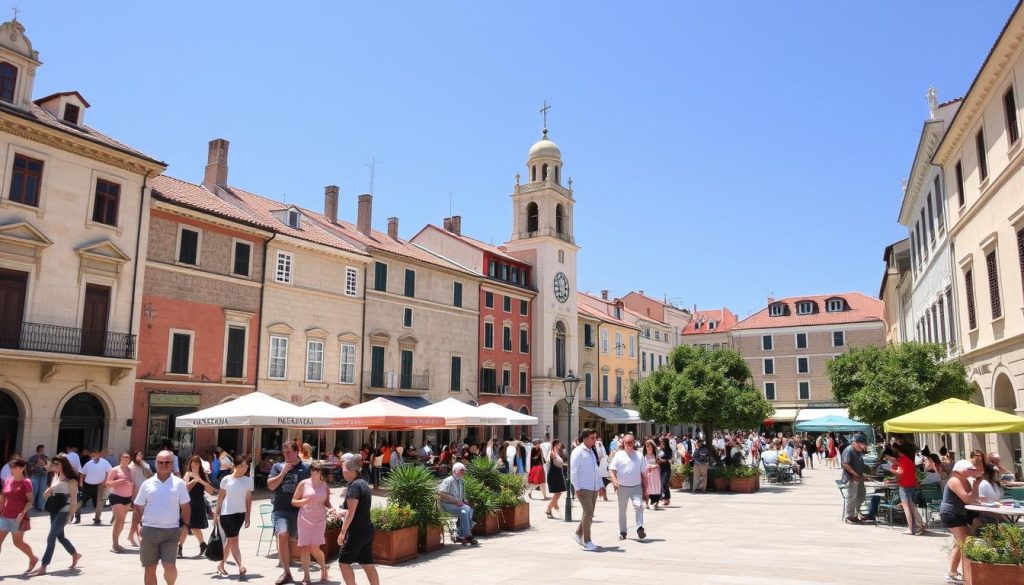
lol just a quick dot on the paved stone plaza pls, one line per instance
(789, 535)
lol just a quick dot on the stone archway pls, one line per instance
(10, 424)
(1004, 399)
(83, 422)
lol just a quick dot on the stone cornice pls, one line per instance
(80, 147)
(931, 134)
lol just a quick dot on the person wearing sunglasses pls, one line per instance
(162, 507)
(626, 470)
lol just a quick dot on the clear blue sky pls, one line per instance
(720, 151)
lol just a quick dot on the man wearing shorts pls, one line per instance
(356, 536)
(162, 505)
(283, 478)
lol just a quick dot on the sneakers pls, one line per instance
(622, 536)
(590, 547)
(640, 533)
(954, 578)
(578, 539)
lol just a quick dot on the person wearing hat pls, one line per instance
(953, 512)
(853, 475)
(452, 493)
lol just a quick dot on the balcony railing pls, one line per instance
(545, 232)
(66, 340)
(396, 381)
(506, 390)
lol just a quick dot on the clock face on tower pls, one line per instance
(561, 287)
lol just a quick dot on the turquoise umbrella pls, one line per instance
(831, 423)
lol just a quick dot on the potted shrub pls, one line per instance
(995, 556)
(513, 509)
(681, 473)
(396, 534)
(416, 487)
(481, 499)
(331, 532)
(718, 476)
(743, 479)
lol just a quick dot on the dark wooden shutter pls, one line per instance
(242, 252)
(235, 366)
(457, 300)
(972, 317)
(410, 283)
(187, 251)
(180, 344)
(456, 374)
(71, 113)
(405, 377)
(380, 276)
(993, 284)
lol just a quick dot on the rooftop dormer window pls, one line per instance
(293, 218)
(8, 79)
(835, 305)
(72, 113)
(804, 308)
(711, 325)
(776, 310)
(696, 325)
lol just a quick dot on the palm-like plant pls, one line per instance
(415, 486)
(486, 472)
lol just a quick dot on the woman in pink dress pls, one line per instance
(313, 498)
(122, 486)
(652, 474)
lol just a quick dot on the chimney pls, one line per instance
(331, 203)
(365, 213)
(457, 225)
(447, 224)
(604, 295)
(771, 300)
(393, 228)
(216, 174)
(641, 291)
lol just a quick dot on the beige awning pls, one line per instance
(783, 415)
(614, 415)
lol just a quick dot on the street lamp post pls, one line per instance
(570, 383)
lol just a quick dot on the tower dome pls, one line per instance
(544, 148)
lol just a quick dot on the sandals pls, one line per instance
(549, 514)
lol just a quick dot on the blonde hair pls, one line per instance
(307, 451)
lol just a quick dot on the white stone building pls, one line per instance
(72, 225)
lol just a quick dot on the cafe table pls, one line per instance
(1011, 513)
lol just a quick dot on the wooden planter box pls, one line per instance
(721, 484)
(487, 525)
(989, 574)
(743, 485)
(515, 517)
(330, 545)
(431, 539)
(395, 546)
(676, 482)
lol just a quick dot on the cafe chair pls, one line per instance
(266, 525)
(892, 508)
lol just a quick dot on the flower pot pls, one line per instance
(976, 573)
(676, 482)
(487, 525)
(515, 517)
(743, 485)
(721, 484)
(430, 540)
(330, 545)
(391, 547)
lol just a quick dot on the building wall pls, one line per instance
(716, 340)
(514, 361)
(819, 350)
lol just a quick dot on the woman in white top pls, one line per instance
(65, 487)
(234, 501)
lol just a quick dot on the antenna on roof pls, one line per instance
(449, 204)
(372, 165)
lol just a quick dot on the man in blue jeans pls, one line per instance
(452, 493)
(283, 478)
(37, 468)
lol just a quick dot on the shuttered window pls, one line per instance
(993, 284)
(242, 253)
(26, 179)
(960, 183)
(456, 382)
(938, 205)
(457, 294)
(181, 343)
(1010, 109)
(410, 283)
(380, 276)
(979, 143)
(405, 376)
(972, 316)
(234, 366)
(104, 207)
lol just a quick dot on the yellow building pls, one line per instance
(608, 365)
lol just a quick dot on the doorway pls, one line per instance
(13, 285)
(10, 425)
(82, 423)
(95, 313)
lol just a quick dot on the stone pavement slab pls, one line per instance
(788, 535)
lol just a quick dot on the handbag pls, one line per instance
(215, 546)
(55, 502)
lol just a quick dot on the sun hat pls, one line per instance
(963, 465)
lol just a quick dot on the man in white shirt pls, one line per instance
(71, 452)
(161, 505)
(626, 473)
(95, 471)
(586, 478)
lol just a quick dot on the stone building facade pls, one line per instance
(72, 226)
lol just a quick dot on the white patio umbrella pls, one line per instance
(459, 414)
(514, 418)
(255, 409)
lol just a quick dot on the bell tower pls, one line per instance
(542, 235)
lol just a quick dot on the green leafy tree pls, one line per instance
(709, 388)
(879, 383)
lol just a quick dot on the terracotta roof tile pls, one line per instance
(862, 309)
(724, 320)
(197, 197)
(479, 245)
(597, 313)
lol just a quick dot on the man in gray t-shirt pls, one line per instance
(853, 475)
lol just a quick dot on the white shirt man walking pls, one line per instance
(161, 504)
(95, 471)
(586, 478)
(626, 470)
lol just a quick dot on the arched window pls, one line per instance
(533, 173)
(544, 172)
(532, 216)
(8, 79)
(557, 178)
(559, 350)
(559, 219)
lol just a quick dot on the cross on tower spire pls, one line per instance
(16, 11)
(544, 113)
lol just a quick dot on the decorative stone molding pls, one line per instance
(280, 328)
(69, 144)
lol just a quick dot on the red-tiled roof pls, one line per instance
(197, 197)
(643, 317)
(479, 245)
(723, 318)
(597, 313)
(43, 100)
(40, 115)
(860, 309)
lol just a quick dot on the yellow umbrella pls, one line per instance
(955, 416)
